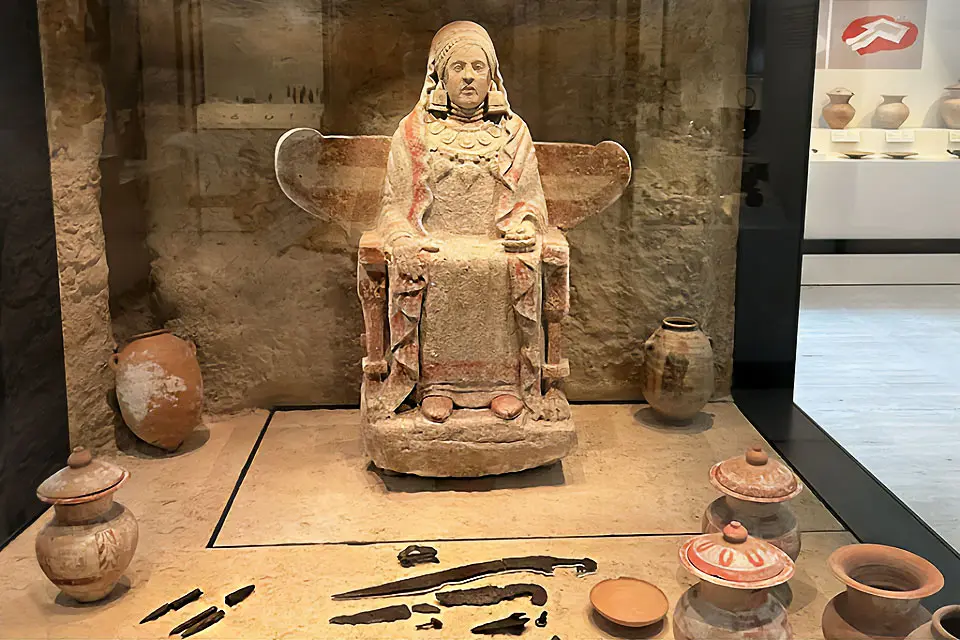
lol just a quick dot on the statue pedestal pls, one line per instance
(471, 443)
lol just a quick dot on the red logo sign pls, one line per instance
(871, 34)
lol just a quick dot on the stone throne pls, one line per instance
(351, 180)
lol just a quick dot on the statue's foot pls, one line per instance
(506, 406)
(436, 408)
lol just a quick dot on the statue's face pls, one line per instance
(468, 76)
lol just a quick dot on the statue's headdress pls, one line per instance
(434, 94)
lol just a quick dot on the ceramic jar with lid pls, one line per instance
(950, 107)
(159, 388)
(732, 601)
(884, 589)
(678, 369)
(757, 490)
(91, 539)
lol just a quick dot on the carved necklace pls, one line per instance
(466, 141)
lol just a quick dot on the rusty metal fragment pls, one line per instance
(513, 624)
(432, 581)
(386, 614)
(417, 554)
(484, 596)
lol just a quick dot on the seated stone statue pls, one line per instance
(465, 278)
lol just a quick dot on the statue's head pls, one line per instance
(462, 70)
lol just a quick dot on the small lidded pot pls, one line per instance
(91, 539)
(756, 492)
(732, 599)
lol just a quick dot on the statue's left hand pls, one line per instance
(521, 238)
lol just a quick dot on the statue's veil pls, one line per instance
(446, 39)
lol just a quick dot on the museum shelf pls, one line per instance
(925, 141)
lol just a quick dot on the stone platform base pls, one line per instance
(471, 443)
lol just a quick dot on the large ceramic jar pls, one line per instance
(945, 625)
(678, 369)
(159, 388)
(950, 107)
(732, 601)
(839, 112)
(891, 113)
(88, 544)
(756, 493)
(884, 589)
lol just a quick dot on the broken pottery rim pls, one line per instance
(88, 497)
(148, 334)
(722, 488)
(789, 567)
(856, 556)
(679, 323)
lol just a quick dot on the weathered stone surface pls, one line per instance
(470, 443)
(75, 121)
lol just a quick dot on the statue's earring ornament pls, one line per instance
(496, 103)
(438, 99)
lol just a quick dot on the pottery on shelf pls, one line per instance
(839, 112)
(950, 107)
(678, 369)
(891, 113)
(954, 152)
(899, 155)
(884, 589)
(732, 601)
(629, 602)
(857, 155)
(756, 492)
(91, 539)
(159, 388)
(945, 625)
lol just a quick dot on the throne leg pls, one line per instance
(556, 305)
(372, 289)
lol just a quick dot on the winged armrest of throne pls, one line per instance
(339, 178)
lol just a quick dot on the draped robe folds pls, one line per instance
(485, 351)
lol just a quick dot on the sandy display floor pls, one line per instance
(628, 499)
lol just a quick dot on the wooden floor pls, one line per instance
(878, 367)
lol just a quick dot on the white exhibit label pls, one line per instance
(843, 135)
(901, 136)
(955, 136)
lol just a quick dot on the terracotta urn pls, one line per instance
(884, 589)
(945, 625)
(891, 113)
(678, 369)
(839, 113)
(159, 388)
(732, 599)
(88, 544)
(756, 492)
(950, 107)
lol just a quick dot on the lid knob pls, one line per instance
(735, 533)
(80, 457)
(756, 456)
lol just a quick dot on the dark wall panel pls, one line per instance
(33, 403)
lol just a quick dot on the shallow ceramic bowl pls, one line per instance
(899, 155)
(954, 152)
(857, 155)
(629, 602)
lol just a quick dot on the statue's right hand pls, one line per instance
(404, 253)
